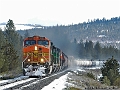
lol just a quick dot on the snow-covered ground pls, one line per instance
(57, 84)
(19, 79)
(62, 83)
(19, 27)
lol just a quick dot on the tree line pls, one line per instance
(91, 50)
(10, 48)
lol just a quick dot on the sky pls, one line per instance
(61, 12)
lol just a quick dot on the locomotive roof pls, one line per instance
(36, 37)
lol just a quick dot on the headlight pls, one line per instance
(42, 60)
(28, 60)
(35, 47)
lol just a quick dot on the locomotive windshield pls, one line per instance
(43, 42)
(30, 42)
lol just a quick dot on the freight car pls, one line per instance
(41, 57)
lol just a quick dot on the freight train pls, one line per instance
(41, 57)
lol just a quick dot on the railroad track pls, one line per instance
(5, 82)
(8, 84)
(30, 83)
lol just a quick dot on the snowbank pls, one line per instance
(57, 84)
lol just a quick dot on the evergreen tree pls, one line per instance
(10, 33)
(4, 62)
(89, 48)
(1, 50)
(12, 46)
(97, 49)
(81, 49)
(111, 69)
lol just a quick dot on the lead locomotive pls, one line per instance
(41, 57)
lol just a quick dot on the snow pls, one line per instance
(99, 76)
(3, 81)
(61, 83)
(101, 36)
(97, 67)
(13, 84)
(19, 27)
(57, 84)
(18, 78)
(23, 27)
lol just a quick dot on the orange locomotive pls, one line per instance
(41, 57)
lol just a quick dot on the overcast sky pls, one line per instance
(53, 12)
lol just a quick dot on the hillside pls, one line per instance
(105, 31)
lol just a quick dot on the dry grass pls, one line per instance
(73, 88)
(82, 81)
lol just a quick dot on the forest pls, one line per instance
(94, 51)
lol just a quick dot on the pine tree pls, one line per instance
(89, 48)
(111, 69)
(97, 49)
(12, 46)
(1, 50)
(4, 62)
(10, 33)
(81, 49)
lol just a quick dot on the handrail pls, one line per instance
(24, 60)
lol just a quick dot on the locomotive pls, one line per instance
(41, 57)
